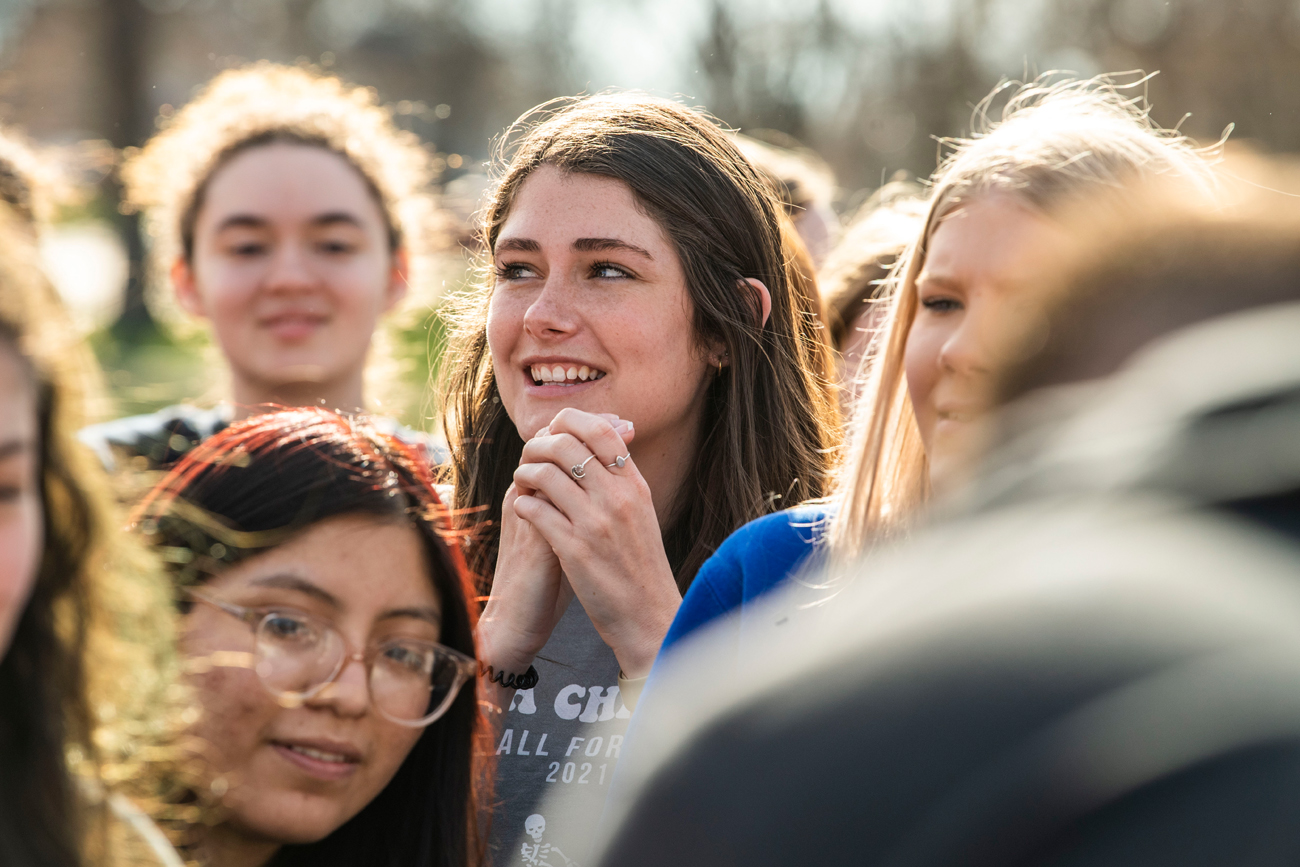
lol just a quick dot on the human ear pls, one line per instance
(187, 291)
(398, 283)
(763, 297)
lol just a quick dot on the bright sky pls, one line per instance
(652, 44)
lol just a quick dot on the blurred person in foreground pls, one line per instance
(986, 223)
(1094, 657)
(291, 214)
(85, 663)
(328, 630)
(635, 377)
(853, 280)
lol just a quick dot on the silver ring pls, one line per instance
(620, 461)
(577, 470)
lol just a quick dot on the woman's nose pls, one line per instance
(965, 351)
(349, 693)
(552, 312)
(289, 270)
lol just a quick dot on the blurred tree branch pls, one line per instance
(128, 124)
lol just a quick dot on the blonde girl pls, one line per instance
(925, 381)
(988, 217)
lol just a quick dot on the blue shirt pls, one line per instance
(759, 556)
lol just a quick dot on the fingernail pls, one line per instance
(625, 427)
(543, 432)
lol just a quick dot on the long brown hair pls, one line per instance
(89, 672)
(769, 426)
(1053, 142)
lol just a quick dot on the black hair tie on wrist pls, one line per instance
(527, 680)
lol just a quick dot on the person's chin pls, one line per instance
(956, 449)
(292, 817)
(296, 373)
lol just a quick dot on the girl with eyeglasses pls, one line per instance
(328, 633)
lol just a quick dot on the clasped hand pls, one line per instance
(593, 533)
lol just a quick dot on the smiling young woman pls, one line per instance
(956, 300)
(287, 210)
(960, 287)
(636, 378)
(328, 630)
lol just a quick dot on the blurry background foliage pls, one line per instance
(866, 83)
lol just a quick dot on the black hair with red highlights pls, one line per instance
(259, 482)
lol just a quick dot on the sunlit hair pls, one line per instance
(265, 103)
(769, 424)
(30, 183)
(88, 677)
(1052, 141)
(255, 485)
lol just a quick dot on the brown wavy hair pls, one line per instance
(89, 675)
(770, 426)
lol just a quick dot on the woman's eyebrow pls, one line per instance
(518, 245)
(15, 446)
(242, 221)
(940, 281)
(596, 245)
(286, 581)
(419, 613)
(334, 218)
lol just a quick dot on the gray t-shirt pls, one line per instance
(559, 742)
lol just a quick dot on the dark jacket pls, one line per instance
(1093, 659)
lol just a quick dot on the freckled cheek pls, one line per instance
(235, 709)
(504, 327)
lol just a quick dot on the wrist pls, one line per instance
(637, 650)
(496, 650)
(636, 655)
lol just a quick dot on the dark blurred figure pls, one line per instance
(1095, 659)
(852, 279)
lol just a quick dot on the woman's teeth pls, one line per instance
(319, 755)
(562, 375)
